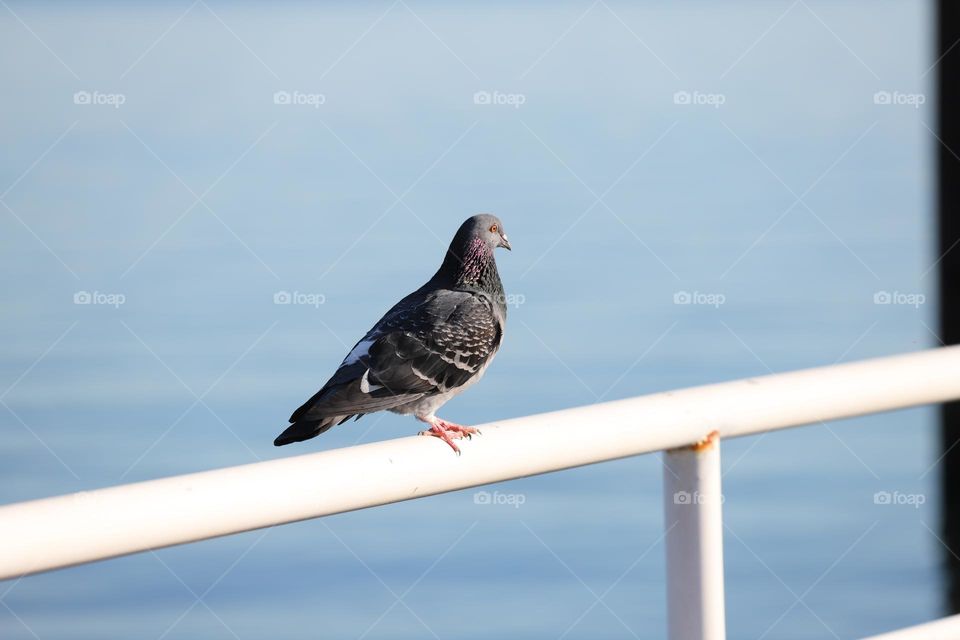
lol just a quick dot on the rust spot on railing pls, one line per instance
(707, 443)
(701, 445)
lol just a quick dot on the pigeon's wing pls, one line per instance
(418, 349)
(443, 345)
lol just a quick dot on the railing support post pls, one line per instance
(693, 522)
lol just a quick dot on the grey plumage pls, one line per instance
(430, 346)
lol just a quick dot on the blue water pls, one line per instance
(696, 198)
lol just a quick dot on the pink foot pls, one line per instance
(460, 430)
(447, 431)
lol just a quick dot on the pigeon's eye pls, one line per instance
(493, 229)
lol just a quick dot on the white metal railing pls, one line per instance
(943, 629)
(93, 525)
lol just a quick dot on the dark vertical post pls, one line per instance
(948, 249)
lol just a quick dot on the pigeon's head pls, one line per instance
(484, 227)
(469, 260)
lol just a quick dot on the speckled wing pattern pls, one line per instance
(423, 346)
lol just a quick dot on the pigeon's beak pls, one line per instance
(504, 242)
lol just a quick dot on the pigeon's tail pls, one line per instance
(306, 429)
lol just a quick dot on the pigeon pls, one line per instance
(429, 347)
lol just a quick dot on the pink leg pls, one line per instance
(459, 429)
(446, 431)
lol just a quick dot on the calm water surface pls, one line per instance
(782, 199)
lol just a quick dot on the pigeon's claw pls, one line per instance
(459, 430)
(439, 432)
(448, 431)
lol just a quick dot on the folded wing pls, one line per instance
(419, 348)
